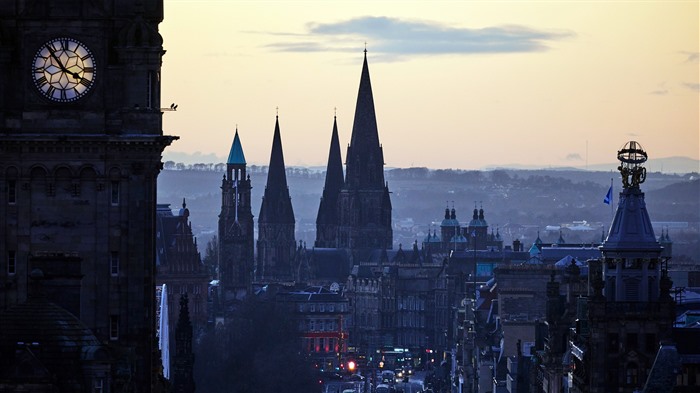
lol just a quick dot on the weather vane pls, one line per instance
(631, 157)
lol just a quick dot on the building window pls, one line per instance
(114, 327)
(114, 192)
(11, 262)
(632, 374)
(651, 346)
(11, 192)
(114, 263)
(98, 386)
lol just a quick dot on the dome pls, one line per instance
(58, 340)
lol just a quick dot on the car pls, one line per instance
(382, 388)
(388, 376)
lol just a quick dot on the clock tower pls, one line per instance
(80, 150)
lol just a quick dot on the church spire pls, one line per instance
(276, 205)
(365, 158)
(364, 190)
(334, 169)
(236, 156)
(327, 218)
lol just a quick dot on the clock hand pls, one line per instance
(63, 68)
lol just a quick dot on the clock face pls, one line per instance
(63, 70)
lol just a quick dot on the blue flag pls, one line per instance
(608, 196)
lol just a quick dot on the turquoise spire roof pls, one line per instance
(236, 155)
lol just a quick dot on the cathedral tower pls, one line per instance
(80, 151)
(364, 202)
(236, 258)
(276, 244)
(327, 219)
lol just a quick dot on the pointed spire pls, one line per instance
(334, 169)
(365, 158)
(327, 210)
(236, 156)
(276, 205)
(277, 176)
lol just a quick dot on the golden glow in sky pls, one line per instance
(457, 84)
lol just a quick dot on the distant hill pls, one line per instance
(516, 202)
(663, 165)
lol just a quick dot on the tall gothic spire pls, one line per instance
(327, 219)
(276, 244)
(365, 157)
(276, 205)
(334, 181)
(364, 202)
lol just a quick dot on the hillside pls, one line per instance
(518, 202)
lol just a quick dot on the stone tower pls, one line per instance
(477, 230)
(327, 218)
(364, 201)
(80, 150)
(630, 308)
(276, 242)
(236, 251)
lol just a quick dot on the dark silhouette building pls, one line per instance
(236, 233)
(276, 241)
(179, 266)
(183, 377)
(364, 204)
(629, 309)
(81, 138)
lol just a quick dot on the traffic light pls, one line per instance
(351, 366)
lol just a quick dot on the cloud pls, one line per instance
(692, 86)
(661, 90)
(691, 57)
(573, 157)
(396, 38)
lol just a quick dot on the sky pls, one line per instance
(457, 84)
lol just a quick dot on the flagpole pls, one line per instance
(612, 202)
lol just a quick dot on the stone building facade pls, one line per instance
(80, 150)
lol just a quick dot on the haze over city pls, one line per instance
(456, 84)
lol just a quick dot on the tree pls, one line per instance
(257, 351)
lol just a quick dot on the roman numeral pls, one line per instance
(41, 81)
(85, 82)
(63, 95)
(89, 70)
(50, 91)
